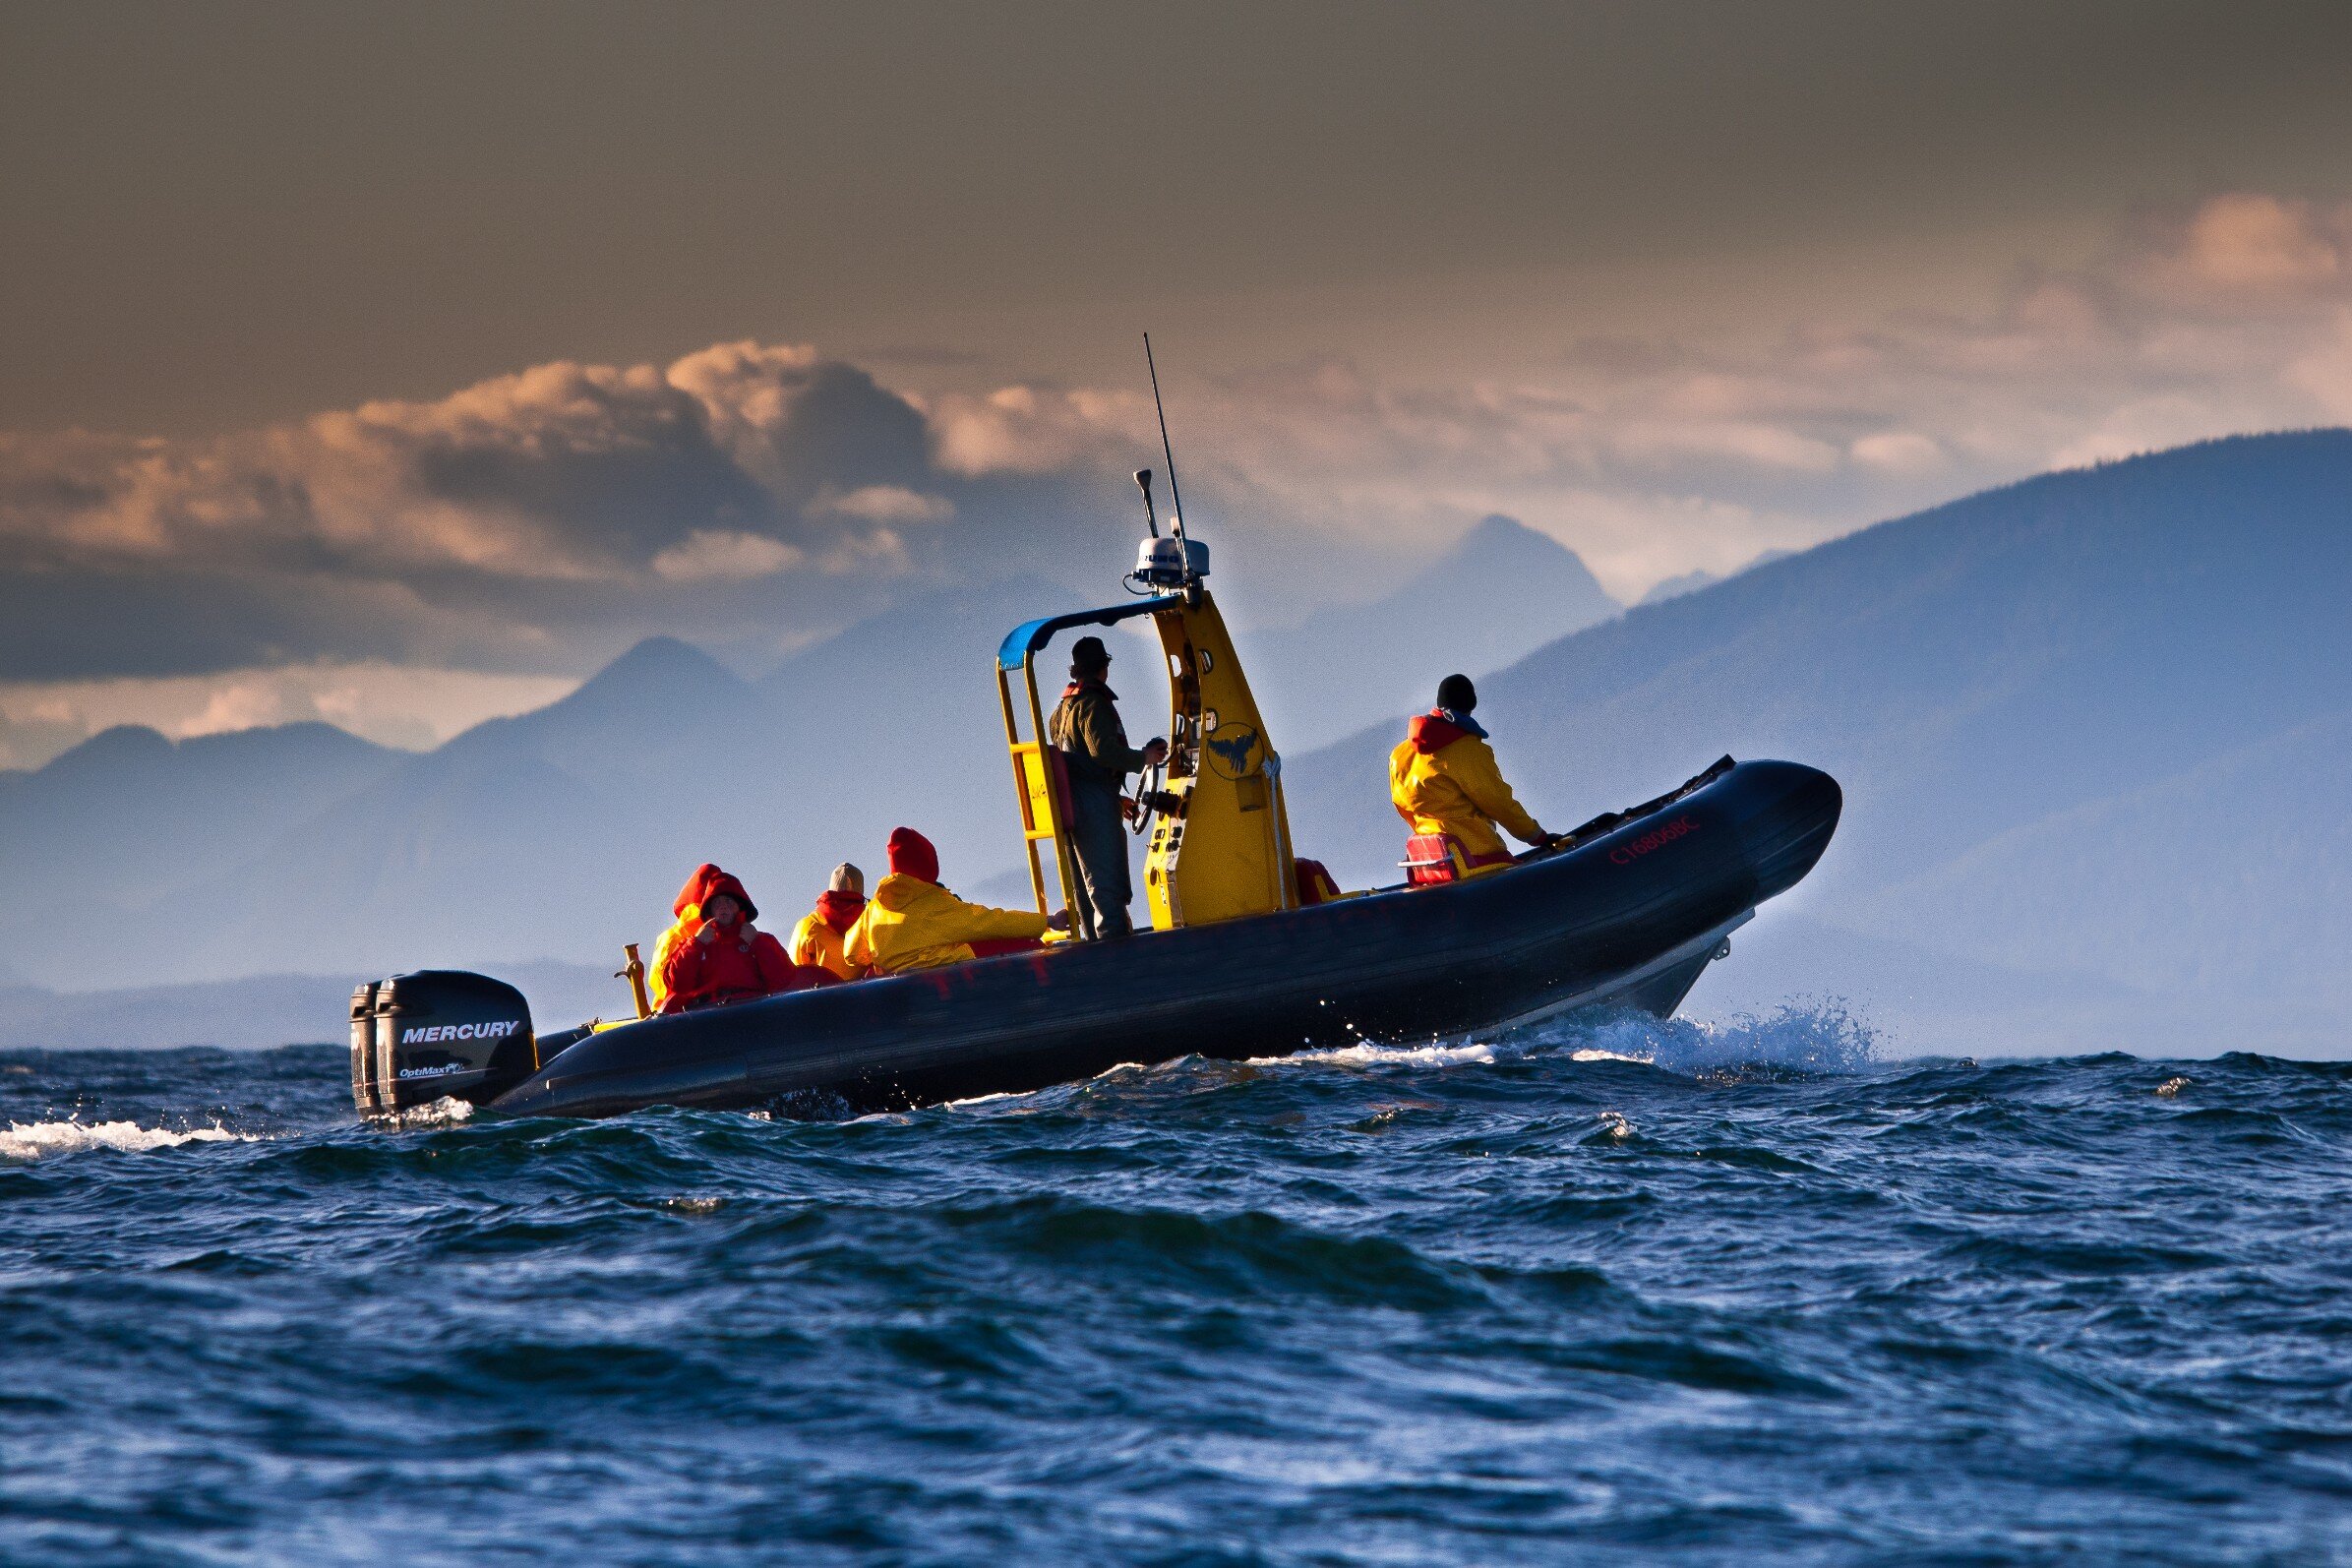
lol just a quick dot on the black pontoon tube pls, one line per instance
(1629, 914)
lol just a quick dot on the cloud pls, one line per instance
(885, 503)
(1900, 452)
(751, 496)
(715, 554)
(2325, 370)
(2248, 241)
(1653, 455)
(501, 525)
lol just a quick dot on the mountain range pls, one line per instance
(2095, 731)
(563, 832)
(2091, 725)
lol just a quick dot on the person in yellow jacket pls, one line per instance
(1443, 779)
(913, 922)
(818, 940)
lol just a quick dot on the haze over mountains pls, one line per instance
(563, 833)
(2095, 731)
(1477, 606)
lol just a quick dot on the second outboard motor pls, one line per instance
(416, 1038)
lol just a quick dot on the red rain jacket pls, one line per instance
(697, 974)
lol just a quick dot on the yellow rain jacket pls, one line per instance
(818, 940)
(912, 924)
(1444, 780)
(680, 930)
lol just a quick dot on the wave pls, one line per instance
(447, 1112)
(38, 1140)
(1437, 1054)
(1806, 1036)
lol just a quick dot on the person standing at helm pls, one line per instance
(1093, 744)
(1444, 781)
(913, 922)
(816, 940)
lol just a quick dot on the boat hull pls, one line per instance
(1629, 916)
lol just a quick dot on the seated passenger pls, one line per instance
(724, 958)
(913, 922)
(687, 907)
(1445, 784)
(816, 940)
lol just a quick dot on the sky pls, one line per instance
(399, 365)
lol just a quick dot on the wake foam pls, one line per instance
(447, 1112)
(1437, 1053)
(1809, 1036)
(1801, 1035)
(1804, 1036)
(38, 1140)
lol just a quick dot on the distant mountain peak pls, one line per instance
(316, 734)
(1502, 555)
(137, 746)
(653, 668)
(109, 751)
(1497, 539)
(659, 680)
(955, 625)
(662, 655)
(116, 742)
(1501, 526)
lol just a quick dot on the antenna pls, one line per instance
(1175, 497)
(1143, 482)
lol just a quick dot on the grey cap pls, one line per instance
(847, 878)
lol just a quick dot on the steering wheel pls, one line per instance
(1148, 784)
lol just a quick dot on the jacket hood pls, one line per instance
(722, 883)
(697, 888)
(839, 910)
(899, 893)
(1432, 733)
(911, 855)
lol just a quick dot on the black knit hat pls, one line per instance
(1456, 695)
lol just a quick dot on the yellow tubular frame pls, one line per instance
(1228, 855)
(1034, 786)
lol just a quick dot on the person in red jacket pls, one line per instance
(726, 958)
(688, 910)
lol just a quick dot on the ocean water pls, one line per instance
(1617, 1290)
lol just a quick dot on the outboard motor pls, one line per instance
(416, 1038)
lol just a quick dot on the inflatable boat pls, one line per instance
(1244, 959)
